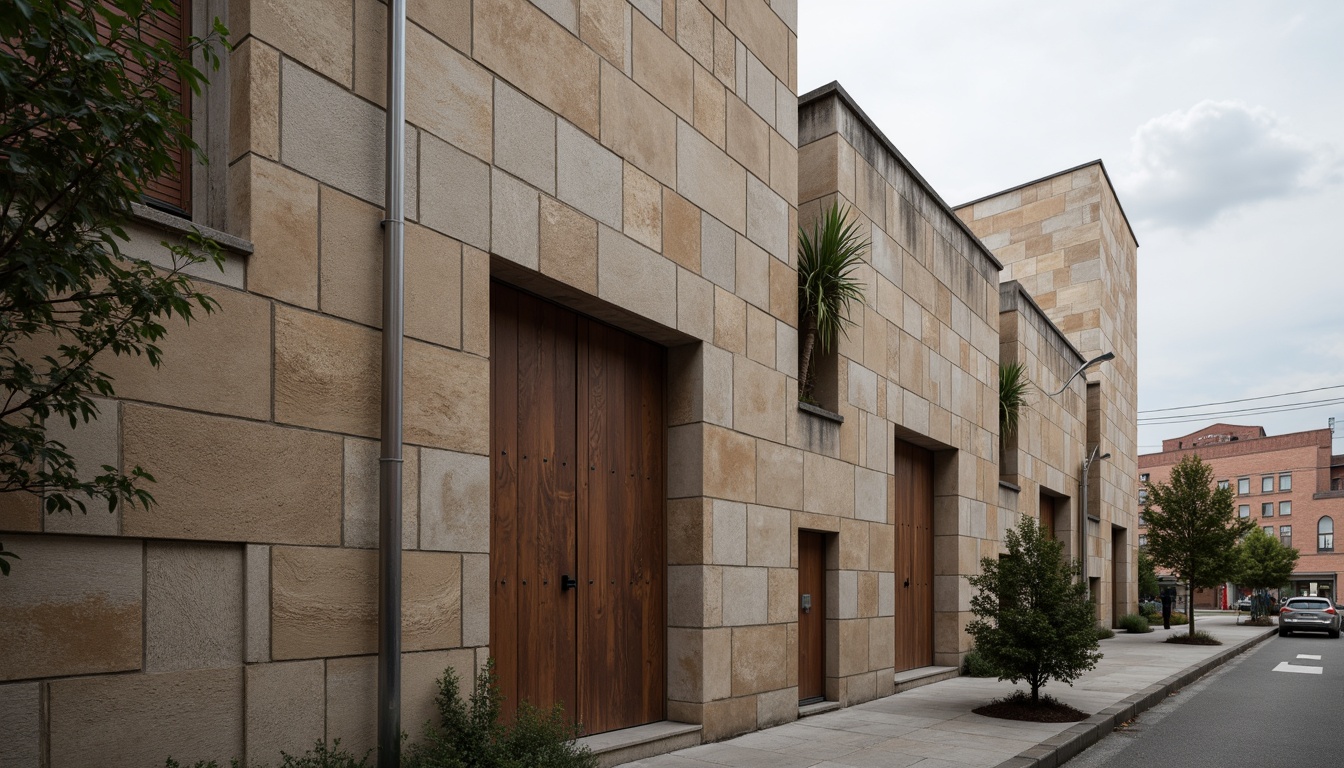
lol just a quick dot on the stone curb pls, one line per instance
(1062, 747)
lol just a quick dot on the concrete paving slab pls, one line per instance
(934, 727)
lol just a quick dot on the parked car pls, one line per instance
(1244, 604)
(1309, 614)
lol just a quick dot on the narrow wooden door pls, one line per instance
(1048, 516)
(913, 513)
(576, 536)
(811, 616)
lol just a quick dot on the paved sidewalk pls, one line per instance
(934, 727)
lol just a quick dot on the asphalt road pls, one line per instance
(1272, 706)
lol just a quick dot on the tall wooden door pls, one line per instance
(576, 533)
(811, 616)
(913, 514)
(1048, 516)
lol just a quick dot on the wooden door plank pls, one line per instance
(504, 490)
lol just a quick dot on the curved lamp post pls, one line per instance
(1081, 368)
(1091, 459)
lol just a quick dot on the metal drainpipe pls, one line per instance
(390, 461)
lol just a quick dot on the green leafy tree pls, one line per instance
(86, 122)
(1034, 620)
(1148, 586)
(1263, 563)
(827, 287)
(1192, 527)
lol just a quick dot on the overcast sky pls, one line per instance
(1221, 123)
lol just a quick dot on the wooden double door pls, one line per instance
(912, 502)
(576, 533)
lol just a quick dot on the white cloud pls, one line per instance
(1188, 167)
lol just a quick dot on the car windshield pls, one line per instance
(1309, 605)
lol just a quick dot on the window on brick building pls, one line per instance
(1267, 484)
(1244, 510)
(1142, 522)
(1143, 477)
(1285, 508)
(1325, 534)
(1243, 485)
(1286, 535)
(1286, 482)
(1267, 509)
(1143, 540)
(1143, 495)
(1223, 484)
(1269, 530)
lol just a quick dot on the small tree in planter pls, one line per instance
(1034, 620)
(1263, 563)
(827, 287)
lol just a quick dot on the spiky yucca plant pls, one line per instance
(827, 286)
(1014, 387)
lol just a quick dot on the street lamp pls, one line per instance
(1083, 516)
(1084, 367)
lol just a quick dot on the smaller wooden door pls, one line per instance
(912, 502)
(811, 616)
(1048, 516)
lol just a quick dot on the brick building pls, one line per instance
(601, 353)
(1288, 484)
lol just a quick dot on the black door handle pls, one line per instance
(568, 582)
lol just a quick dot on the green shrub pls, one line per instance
(1150, 610)
(320, 756)
(472, 736)
(976, 665)
(1105, 633)
(1200, 637)
(1179, 619)
(1134, 624)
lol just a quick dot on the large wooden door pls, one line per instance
(811, 616)
(576, 534)
(1048, 516)
(913, 514)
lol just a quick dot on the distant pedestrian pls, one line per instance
(1168, 596)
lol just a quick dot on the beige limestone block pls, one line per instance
(730, 322)
(777, 707)
(635, 278)
(447, 399)
(760, 337)
(711, 108)
(695, 305)
(882, 548)
(758, 400)
(728, 717)
(433, 287)
(725, 54)
(783, 607)
(277, 210)
(818, 168)
(784, 296)
(711, 179)
(420, 673)
(662, 68)
(447, 94)
(828, 486)
(748, 138)
(690, 530)
(361, 502)
(448, 20)
(643, 207)
(688, 596)
(370, 61)
(193, 606)
(285, 709)
(21, 722)
(768, 219)
(92, 445)
(326, 373)
(638, 127)
(118, 720)
(854, 546)
(20, 511)
(729, 464)
(758, 659)
(685, 465)
(514, 222)
(870, 491)
(318, 33)
(257, 603)
(330, 134)
(746, 596)
(695, 31)
(352, 702)
(564, 12)
(753, 273)
(718, 252)
(455, 501)
(764, 33)
(475, 301)
(729, 533)
(867, 593)
(779, 475)
(524, 138)
(325, 602)
(73, 606)
(853, 637)
(768, 536)
(681, 231)
(456, 193)
(568, 246)
(761, 91)
(605, 25)
(475, 600)
(554, 68)
(589, 176)
(231, 480)
(254, 100)
(351, 267)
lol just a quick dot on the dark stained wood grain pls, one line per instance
(812, 624)
(912, 502)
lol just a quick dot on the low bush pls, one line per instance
(1199, 638)
(1150, 610)
(1179, 619)
(1134, 624)
(320, 756)
(976, 665)
(1105, 633)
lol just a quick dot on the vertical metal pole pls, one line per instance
(1082, 523)
(390, 460)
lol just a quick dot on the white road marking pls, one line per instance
(1308, 656)
(1286, 667)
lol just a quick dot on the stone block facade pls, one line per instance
(643, 163)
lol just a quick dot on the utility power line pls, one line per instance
(1178, 418)
(1242, 400)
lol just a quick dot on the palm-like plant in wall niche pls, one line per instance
(827, 287)
(1013, 390)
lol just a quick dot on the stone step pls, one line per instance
(629, 744)
(915, 678)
